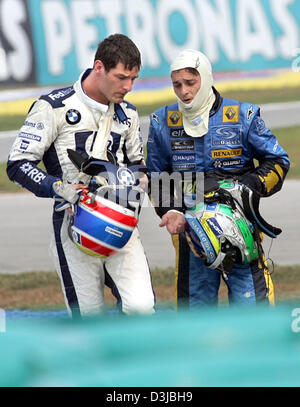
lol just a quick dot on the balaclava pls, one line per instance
(196, 114)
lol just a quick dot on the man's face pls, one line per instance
(116, 83)
(185, 84)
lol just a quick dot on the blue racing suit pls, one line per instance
(236, 137)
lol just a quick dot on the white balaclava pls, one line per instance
(195, 115)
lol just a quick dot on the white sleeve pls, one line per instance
(34, 138)
(36, 135)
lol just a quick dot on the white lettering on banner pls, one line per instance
(58, 34)
(225, 33)
(111, 11)
(288, 39)
(4, 72)
(296, 60)
(18, 59)
(164, 12)
(253, 31)
(86, 35)
(218, 31)
(140, 20)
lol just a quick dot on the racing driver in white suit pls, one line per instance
(89, 117)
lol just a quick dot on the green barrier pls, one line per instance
(216, 347)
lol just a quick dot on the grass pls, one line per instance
(255, 96)
(11, 122)
(289, 138)
(42, 290)
(262, 96)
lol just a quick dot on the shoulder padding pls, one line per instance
(57, 96)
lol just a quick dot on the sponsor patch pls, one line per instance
(184, 167)
(113, 231)
(38, 125)
(24, 145)
(204, 241)
(177, 133)
(211, 207)
(32, 172)
(155, 118)
(183, 157)
(260, 125)
(275, 146)
(226, 136)
(197, 120)
(174, 118)
(231, 114)
(250, 112)
(60, 94)
(214, 226)
(227, 163)
(183, 145)
(29, 136)
(29, 124)
(73, 116)
(227, 153)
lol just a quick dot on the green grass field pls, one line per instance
(42, 290)
(255, 96)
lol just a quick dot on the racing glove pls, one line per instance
(252, 181)
(64, 193)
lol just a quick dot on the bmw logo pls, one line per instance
(73, 116)
(126, 177)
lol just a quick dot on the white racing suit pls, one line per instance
(68, 119)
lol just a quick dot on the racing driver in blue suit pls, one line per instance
(219, 138)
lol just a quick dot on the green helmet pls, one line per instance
(220, 235)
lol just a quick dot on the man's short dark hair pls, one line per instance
(118, 48)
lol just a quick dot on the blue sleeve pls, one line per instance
(273, 160)
(264, 143)
(28, 175)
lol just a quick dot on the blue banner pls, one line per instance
(17, 61)
(235, 34)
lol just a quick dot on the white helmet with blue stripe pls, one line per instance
(106, 215)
